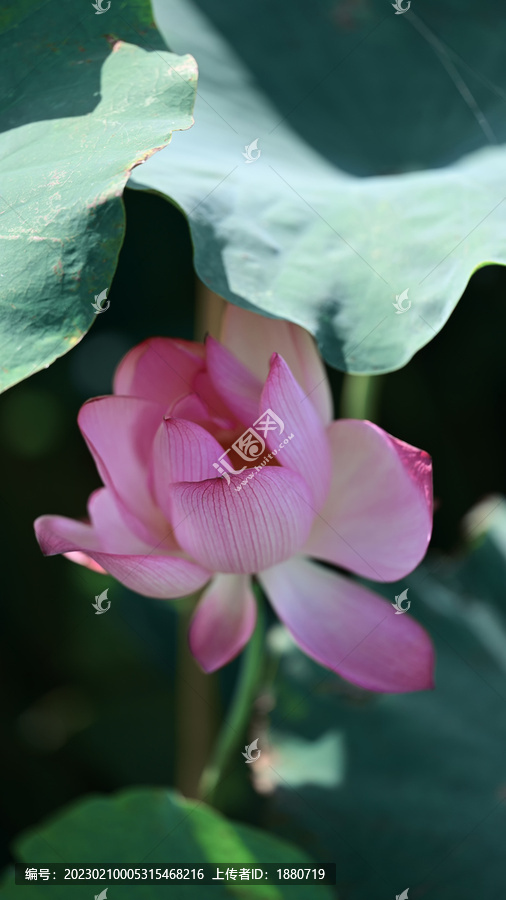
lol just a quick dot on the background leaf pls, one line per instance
(150, 827)
(87, 99)
(381, 166)
(420, 798)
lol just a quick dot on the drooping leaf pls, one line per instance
(375, 168)
(87, 98)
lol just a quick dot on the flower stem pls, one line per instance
(233, 728)
(360, 396)
(196, 691)
(196, 705)
(208, 313)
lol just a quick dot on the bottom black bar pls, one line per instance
(191, 873)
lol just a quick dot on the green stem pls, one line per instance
(359, 396)
(196, 708)
(196, 691)
(239, 712)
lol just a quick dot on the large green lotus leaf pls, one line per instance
(153, 827)
(87, 97)
(419, 780)
(380, 167)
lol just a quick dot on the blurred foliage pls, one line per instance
(89, 701)
(148, 826)
(419, 789)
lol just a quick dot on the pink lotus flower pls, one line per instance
(168, 522)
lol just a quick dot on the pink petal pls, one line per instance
(223, 621)
(182, 451)
(58, 534)
(108, 531)
(110, 525)
(349, 629)
(247, 525)
(194, 409)
(218, 410)
(162, 576)
(82, 559)
(253, 339)
(125, 370)
(308, 451)
(159, 370)
(119, 432)
(377, 520)
(239, 388)
(189, 407)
